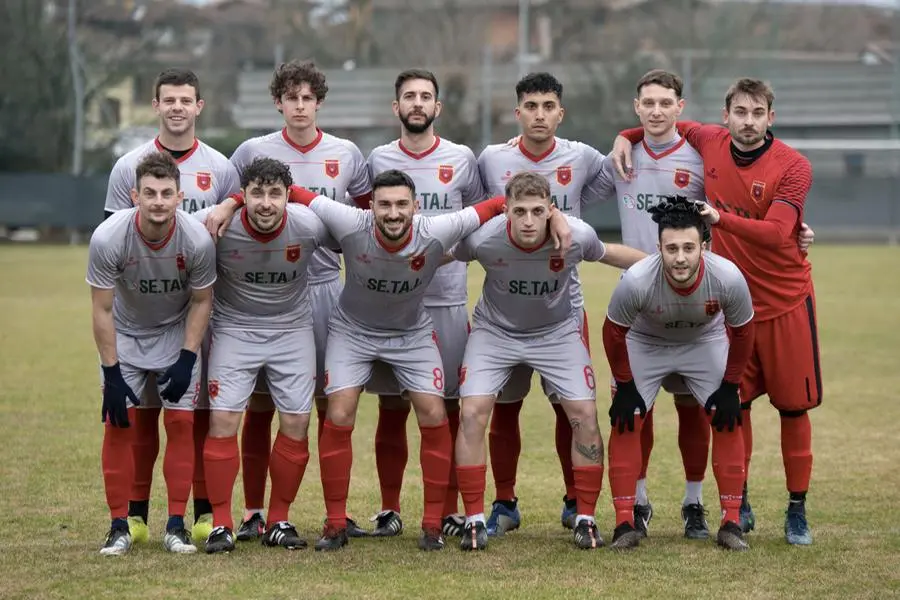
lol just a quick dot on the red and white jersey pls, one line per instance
(330, 166)
(447, 179)
(207, 177)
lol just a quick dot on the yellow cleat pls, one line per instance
(140, 533)
(202, 528)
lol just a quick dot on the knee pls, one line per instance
(473, 417)
(223, 423)
(293, 426)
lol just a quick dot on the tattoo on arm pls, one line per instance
(593, 453)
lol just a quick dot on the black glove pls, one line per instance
(178, 376)
(626, 400)
(727, 405)
(116, 393)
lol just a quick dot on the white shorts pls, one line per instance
(323, 297)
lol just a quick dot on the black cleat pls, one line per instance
(387, 524)
(625, 537)
(354, 530)
(118, 540)
(731, 537)
(431, 539)
(220, 540)
(283, 534)
(642, 515)
(586, 536)
(252, 529)
(332, 539)
(452, 525)
(474, 537)
(695, 525)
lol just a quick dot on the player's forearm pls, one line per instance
(617, 350)
(740, 349)
(197, 319)
(771, 232)
(621, 256)
(105, 335)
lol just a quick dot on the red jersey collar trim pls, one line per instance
(522, 248)
(664, 153)
(536, 157)
(257, 235)
(424, 153)
(298, 147)
(689, 290)
(155, 246)
(184, 156)
(386, 245)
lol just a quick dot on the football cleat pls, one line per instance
(387, 524)
(221, 539)
(569, 513)
(625, 537)
(796, 529)
(354, 530)
(140, 533)
(452, 525)
(203, 526)
(332, 539)
(586, 536)
(474, 537)
(178, 540)
(503, 518)
(731, 537)
(748, 519)
(118, 542)
(695, 525)
(251, 529)
(642, 515)
(283, 534)
(431, 539)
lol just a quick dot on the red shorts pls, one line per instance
(785, 361)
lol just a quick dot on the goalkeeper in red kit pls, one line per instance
(756, 189)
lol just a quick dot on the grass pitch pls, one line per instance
(53, 516)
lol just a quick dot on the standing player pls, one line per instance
(569, 167)
(206, 178)
(757, 188)
(446, 179)
(667, 320)
(324, 164)
(525, 316)
(262, 320)
(151, 269)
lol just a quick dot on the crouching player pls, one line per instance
(667, 323)
(526, 317)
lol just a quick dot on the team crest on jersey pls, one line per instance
(204, 181)
(213, 386)
(332, 168)
(682, 178)
(712, 307)
(417, 262)
(564, 175)
(445, 173)
(292, 253)
(557, 263)
(179, 261)
(757, 189)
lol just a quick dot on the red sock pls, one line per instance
(117, 459)
(256, 444)
(178, 464)
(693, 440)
(145, 447)
(451, 504)
(335, 462)
(471, 487)
(391, 455)
(564, 449)
(796, 451)
(588, 482)
(646, 443)
(201, 430)
(434, 457)
(505, 445)
(222, 465)
(624, 467)
(320, 421)
(288, 464)
(747, 429)
(728, 468)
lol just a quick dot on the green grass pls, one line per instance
(53, 515)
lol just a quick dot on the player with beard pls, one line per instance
(446, 179)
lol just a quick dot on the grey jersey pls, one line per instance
(263, 278)
(670, 168)
(207, 177)
(330, 166)
(152, 281)
(384, 289)
(527, 292)
(447, 179)
(659, 314)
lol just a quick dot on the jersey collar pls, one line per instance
(386, 246)
(689, 290)
(298, 147)
(424, 153)
(259, 236)
(184, 156)
(523, 249)
(536, 157)
(159, 245)
(665, 152)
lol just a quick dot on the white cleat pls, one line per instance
(179, 542)
(118, 542)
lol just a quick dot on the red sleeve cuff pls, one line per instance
(301, 195)
(489, 209)
(739, 351)
(617, 350)
(633, 135)
(364, 201)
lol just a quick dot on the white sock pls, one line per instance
(693, 493)
(479, 518)
(249, 512)
(580, 518)
(640, 494)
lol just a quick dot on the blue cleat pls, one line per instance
(796, 529)
(569, 513)
(503, 518)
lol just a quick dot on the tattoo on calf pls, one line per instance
(593, 453)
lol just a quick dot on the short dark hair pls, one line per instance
(266, 171)
(411, 74)
(177, 76)
(297, 72)
(160, 165)
(665, 79)
(538, 83)
(677, 212)
(393, 178)
(755, 88)
(527, 183)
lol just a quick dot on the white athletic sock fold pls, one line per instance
(640, 493)
(693, 493)
(479, 518)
